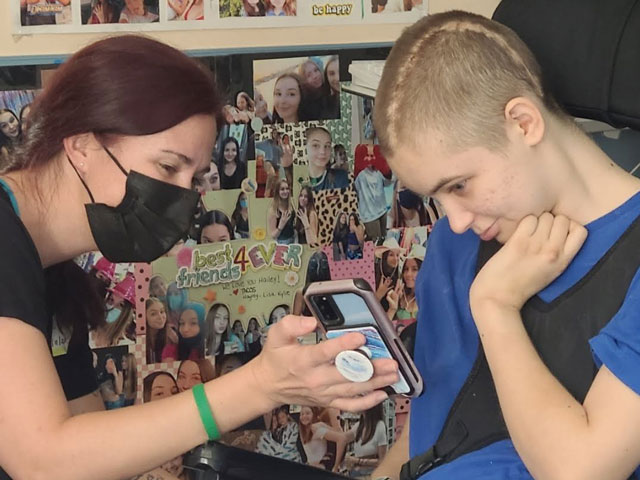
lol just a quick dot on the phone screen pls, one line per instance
(357, 318)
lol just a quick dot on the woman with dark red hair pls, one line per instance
(114, 144)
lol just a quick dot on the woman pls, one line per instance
(245, 103)
(252, 8)
(157, 287)
(314, 435)
(370, 443)
(158, 385)
(281, 440)
(215, 226)
(288, 99)
(387, 260)
(135, 11)
(369, 183)
(209, 182)
(129, 373)
(191, 333)
(111, 382)
(232, 169)
(220, 339)
(48, 216)
(238, 330)
(116, 331)
(281, 217)
(240, 217)
(278, 313)
(105, 11)
(10, 136)
(340, 233)
(355, 238)
(409, 209)
(332, 88)
(187, 9)
(280, 8)
(262, 109)
(156, 331)
(319, 149)
(340, 160)
(311, 73)
(193, 372)
(252, 339)
(402, 300)
(306, 218)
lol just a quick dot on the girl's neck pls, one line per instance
(316, 171)
(283, 205)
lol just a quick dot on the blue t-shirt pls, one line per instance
(447, 338)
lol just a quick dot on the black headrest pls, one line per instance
(589, 51)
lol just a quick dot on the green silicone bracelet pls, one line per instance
(204, 409)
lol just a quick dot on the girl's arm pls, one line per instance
(360, 235)
(179, 6)
(556, 436)
(36, 416)
(272, 225)
(312, 231)
(340, 439)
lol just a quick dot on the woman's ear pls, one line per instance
(524, 121)
(78, 149)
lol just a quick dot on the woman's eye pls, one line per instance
(168, 168)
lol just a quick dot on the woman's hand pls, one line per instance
(350, 461)
(172, 334)
(287, 156)
(392, 298)
(284, 219)
(539, 250)
(383, 287)
(288, 372)
(302, 215)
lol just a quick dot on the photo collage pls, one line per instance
(103, 15)
(297, 191)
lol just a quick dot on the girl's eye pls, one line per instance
(458, 187)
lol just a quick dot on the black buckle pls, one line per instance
(421, 464)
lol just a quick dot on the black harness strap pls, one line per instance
(560, 331)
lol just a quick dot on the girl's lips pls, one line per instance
(490, 233)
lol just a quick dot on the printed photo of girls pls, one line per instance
(119, 11)
(395, 6)
(298, 89)
(274, 161)
(45, 12)
(372, 174)
(319, 152)
(186, 9)
(116, 372)
(348, 237)
(15, 107)
(258, 8)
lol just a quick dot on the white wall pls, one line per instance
(61, 44)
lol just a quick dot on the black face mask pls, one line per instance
(408, 199)
(151, 218)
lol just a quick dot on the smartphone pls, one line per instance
(344, 306)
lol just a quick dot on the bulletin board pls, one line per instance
(78, 16)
